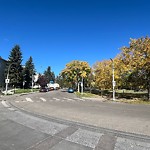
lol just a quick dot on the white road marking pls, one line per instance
(29, 99)
(79, 99)
(4, 104)
(57, 99)
(17, 101)
(68, 99)
(7, 106)
(12, 109)
(43, 99)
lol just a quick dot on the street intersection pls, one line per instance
(30, 122)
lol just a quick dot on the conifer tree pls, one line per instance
(50, 76)
(28, 72)
(14, 67)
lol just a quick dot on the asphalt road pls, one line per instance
(60, 104)
(58, 120)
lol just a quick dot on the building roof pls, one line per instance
(3, 59)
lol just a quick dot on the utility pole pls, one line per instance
(82, 86)
(7, 78)
(113, 79)
(32, 81)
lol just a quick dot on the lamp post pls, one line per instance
(7, 78)
(32, 81)
(82, 86)
(113, 79)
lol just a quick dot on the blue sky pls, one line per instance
(55, 32)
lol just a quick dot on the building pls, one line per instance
(2, 72)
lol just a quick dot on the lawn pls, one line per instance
(19, 91)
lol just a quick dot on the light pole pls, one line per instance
(113, 79)
(82, 86)
(32, 81)
(7, 79)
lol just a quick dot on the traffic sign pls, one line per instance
(7, 80)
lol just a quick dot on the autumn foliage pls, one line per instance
(132, 67)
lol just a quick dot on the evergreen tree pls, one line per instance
(14, 67)
(28, 72)
(60, 80)
(50, 76)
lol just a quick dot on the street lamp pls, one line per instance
(7, 79)
(32, 81)
(82, 86)
(113, 79)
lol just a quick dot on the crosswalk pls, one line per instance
(53, 99)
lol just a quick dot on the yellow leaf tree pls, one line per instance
(103, 74)
(136, 57)
(75, 71)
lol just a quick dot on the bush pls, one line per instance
(131, 95)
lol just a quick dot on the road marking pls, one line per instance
(68, 99)
(12, 109)
(57, 99)
(4, 104)
(17, 101)
(43, 99)
(79, 99)
(29, 99)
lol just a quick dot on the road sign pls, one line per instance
(114, 83)
(7, 80)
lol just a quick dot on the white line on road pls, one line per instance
(4, 104)
(68, 99)
(43, 99)
(57, 99)
(29, 99)
(79, 99)
(12, 109)
(17, 101)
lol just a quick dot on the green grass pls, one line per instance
(19, 91)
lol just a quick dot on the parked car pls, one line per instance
(51, 88)
(43, 89)
(70, 90)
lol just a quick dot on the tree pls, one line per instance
(15, 67)
(28, 72)
(75, 71)
(59, 79)
(49, 74)
(91, 80)
(42, 80)
(137, 59)
(103, 74)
